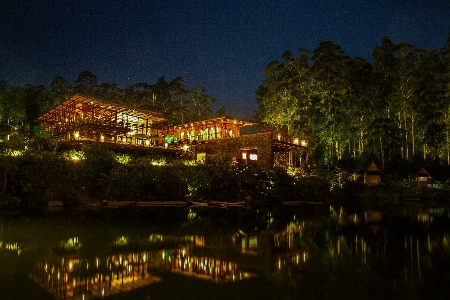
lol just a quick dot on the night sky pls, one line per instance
(221, 45)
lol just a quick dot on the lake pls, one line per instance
(337, 251)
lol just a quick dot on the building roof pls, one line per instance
(135, 112)
(422, 173)
(373, 169)
(222, 120)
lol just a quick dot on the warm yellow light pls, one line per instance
(244, 155)
(296, 141)
(102, 138)
(279, 136)
(16, 152)
(253, 156)
(147, 143)
(185, 147)
(76, 135)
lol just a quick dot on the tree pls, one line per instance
(221, 112)
(328, 89)
(161, 96)
(431, 104)
(285, 92)
(60, 91)
(86, 83)
(109, 91)
(358, 104)
(180, 103)
(200, 104)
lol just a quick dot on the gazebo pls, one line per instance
(422, 177)
(372, 175)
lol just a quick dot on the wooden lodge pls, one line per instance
(82, 119)
(422, 177)
(372, 175)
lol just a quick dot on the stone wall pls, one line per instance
(228, 148)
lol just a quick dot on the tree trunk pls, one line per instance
(424, 151)
(382, 153)
(412, 136)
(5, 181)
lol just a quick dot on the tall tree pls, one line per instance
(109, 91)
(328, 88)
(200, 104)
(161, 96)
(60, 90)
(358, 104)
(179, 112)
(86, 83)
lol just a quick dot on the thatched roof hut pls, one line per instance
(422, 177)
(372, 175)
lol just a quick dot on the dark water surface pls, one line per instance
(390, 251)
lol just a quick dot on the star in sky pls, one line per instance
(221, 45)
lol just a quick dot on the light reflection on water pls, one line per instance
(272, 252)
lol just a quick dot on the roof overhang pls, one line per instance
(79, 99)
(220, 120)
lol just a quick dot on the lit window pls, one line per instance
(244, 155)
(252, 242)
(253, 156)
(244, 244)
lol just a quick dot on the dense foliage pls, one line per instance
(20, 106)
(394, 111)
(396, 107)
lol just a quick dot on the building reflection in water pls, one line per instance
(220, 259)
(285, 250)
(360, 242)
(373, 220)
(73, 277)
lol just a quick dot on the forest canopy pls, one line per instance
(396, 107)
(21, 105)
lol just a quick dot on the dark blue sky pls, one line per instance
(221, 45)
